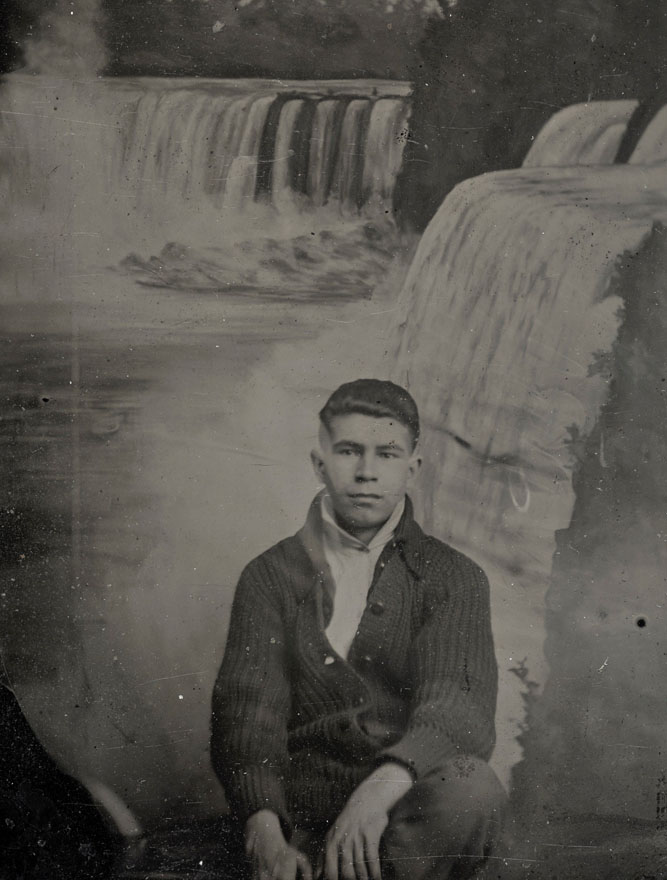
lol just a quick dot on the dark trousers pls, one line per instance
(446, 826)
(49, 825)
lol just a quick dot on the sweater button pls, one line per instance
(377, 608)
(328, 660)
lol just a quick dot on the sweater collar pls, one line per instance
(408, 538)
(336, 537)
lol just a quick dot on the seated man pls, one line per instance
(353, 714)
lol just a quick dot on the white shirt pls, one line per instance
(352, 564)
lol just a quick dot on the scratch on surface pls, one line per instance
(169, 677)
(160, 745)
(456, 856)
(60, 118)
(6, 674)
(604, 664)
(253, 454)
(170, 742)
(284, 158)
(546, 104)
(578, 14)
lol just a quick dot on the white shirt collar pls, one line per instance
(338, 537)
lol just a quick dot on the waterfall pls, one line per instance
(496, 329)
(501, 332)
(222, 143)
(291, 148)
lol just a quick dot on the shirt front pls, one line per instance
(352, 563)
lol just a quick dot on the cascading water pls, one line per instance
(173, 167)
(233, 142)
(503, 331)
(185, 170)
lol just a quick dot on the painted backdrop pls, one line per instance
(191, 266)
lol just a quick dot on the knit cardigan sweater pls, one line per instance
(295, 727)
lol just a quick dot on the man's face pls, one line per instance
(367, 464)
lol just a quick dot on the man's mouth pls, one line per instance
(364, 496)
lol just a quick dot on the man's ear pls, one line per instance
(318, 464)
(415, 464)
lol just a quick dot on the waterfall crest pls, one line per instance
(582, 134)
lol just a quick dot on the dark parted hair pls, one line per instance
(373, 397)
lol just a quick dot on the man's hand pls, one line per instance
(270, 856)
(352, 844)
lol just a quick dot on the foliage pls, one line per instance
(290, 38)
(490, 74)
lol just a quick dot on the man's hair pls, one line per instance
(373, 397)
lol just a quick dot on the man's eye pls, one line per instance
(388, 454)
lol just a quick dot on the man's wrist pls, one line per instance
(263, 822)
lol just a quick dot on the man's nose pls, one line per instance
(366, 470)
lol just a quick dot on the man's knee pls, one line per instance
(470, 782)
(459, 807)
(463, 782)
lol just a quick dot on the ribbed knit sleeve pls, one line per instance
(251, 699)
(453, 671)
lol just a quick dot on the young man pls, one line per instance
(353, 713)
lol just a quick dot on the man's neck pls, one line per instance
(361, 533)
(364, 534)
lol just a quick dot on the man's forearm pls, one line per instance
(388, 783)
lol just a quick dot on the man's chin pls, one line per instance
(364, 514)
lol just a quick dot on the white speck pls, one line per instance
(180, 696)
